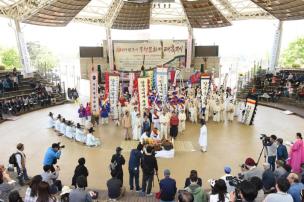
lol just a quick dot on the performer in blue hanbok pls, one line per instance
(91, 140)
(80, 135)
(51, 121)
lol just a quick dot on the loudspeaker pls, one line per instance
(202, 68)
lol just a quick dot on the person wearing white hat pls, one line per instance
(65, 192)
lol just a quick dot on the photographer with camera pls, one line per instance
(245, 192)
(52, 154)
(271, 148)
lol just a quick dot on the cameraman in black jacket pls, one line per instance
(149, 165)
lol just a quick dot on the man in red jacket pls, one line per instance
(174, 125)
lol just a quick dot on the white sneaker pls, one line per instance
(149, 195)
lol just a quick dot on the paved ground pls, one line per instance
(296, 110)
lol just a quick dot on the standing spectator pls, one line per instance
(271, 150)
(52, 154)
(219, 191)
(51, 178)
(126, 124)
(195, 189)
(117, 162)
(282, 153)
(134, 163)
(295, 187)
(174, 121)
(268, 179)
(193, 176)
(6, 184)
(167, 188)
(80, 170)
(149, 167)
(282, 187)
(31, 193)
(115, 188)
(79, 194)
(296, 154)
(21, 160)
(44, 194)
(146, 126)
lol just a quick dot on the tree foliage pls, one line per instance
(10, 58)
(293, 56)
(41, 57)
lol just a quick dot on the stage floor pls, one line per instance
(228, 144)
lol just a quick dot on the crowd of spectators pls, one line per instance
(10, 82)
(254, 183)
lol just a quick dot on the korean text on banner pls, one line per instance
(94, 91)
(143, 93)
(113, 90)
(205, 86)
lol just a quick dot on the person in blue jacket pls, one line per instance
(52, 154)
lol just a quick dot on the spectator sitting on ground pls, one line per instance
(196, 190)
(280, 170)
(31, 193)
(282, 187)
(115, 188)
(6, 184)
(193, 173)
(268, 179)
(80, 170)
(295, 187)
(219, 191)
(44, 194)
(248, 192)
(185, 196)
(250, 169)
(167, 187)
(79, 194)
(51, 178)
(14, 196)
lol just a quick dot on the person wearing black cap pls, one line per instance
(51, 122)
(92, 141)
(117, 162)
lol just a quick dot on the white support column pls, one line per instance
(24, 56)
(110, 48)
(276, 47)
(189, 47)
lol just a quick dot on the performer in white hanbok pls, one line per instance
(115, 115)
(168, 116)
(230, 111)
(203, 136)
(207, 110)
(58, 123)
(92, 141)
(133, 118)
(163, 120)
(70, 131)
(51, 121)
(80, 135)
(136, 127)
(182, 121)
(155, 119)
(62, 127)
(193, 113)
(222, 111)
(216, 112)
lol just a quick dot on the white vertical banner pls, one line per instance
(177, 74)
(94, 91)
(162, 83)
(205, 83)
(113, 91)
(143, 93)
(249, 110)
(131, 80)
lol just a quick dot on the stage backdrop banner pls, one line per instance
(205, 84)
(94, 91)
(249, 110)
(143, 93)
(129, 56)
(162, 83)
(113, 91)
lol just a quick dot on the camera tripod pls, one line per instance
(264, 149)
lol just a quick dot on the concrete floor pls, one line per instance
(229, 144)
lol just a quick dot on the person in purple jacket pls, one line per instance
(82, 114)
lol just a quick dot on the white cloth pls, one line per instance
(92, 141)
(164, 154)
(136, 128)
(51, 122)
(182, 122)
(203, 138)
(70, 132)
(80, 136)
(62, 128)
(57, 125)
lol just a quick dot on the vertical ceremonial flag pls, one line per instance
(94, 91)
(113, 90)
(205, 84)
(177, 74)
(143, 93)
(131, 82)
(249, 111)
(162, 83)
